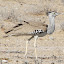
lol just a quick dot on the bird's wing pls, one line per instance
(28, 28)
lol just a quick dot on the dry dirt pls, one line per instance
(50, 48)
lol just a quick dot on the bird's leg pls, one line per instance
(27, 46)
(35, 45)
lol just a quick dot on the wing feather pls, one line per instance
(27, 29)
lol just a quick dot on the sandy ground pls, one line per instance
(50, 48)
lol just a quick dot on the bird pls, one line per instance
(34, 29)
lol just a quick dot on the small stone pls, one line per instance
(5, 61)
(51, 38)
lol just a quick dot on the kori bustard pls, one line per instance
(37, 30)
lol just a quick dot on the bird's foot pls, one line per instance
(26, 62)
(36, 61)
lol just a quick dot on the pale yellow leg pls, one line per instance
(26, 49)
(35, 46)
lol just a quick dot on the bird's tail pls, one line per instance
(19, 34)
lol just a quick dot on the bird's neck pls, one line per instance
(51, 26)
(51, 20)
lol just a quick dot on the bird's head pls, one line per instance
(52, 13)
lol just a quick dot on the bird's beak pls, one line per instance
(60, 13)
(57, 14)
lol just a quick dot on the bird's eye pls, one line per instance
(54, 13)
